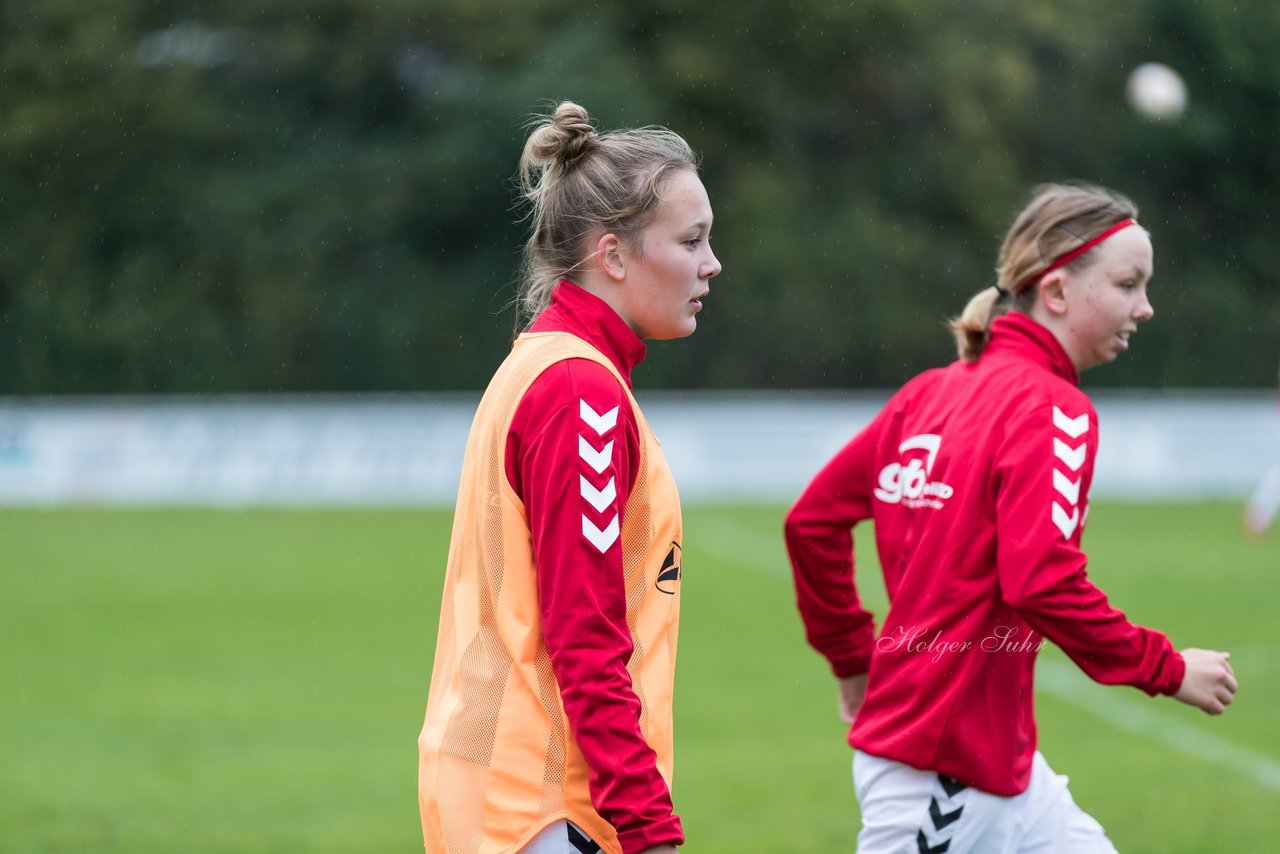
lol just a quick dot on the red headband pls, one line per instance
(1064, 260)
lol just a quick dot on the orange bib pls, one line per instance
(496, 761)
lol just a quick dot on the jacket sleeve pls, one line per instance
(819, 536)
(1042, 475)
(573, 457)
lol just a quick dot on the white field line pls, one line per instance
(758, 550)
(1066, 683)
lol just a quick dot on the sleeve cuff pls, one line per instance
(852, 666)
(1177, 671)
(666, 832)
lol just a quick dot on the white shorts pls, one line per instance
(560, 837)
(909, 811)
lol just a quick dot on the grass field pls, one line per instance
(198, 680)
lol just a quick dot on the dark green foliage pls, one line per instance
(220, 196)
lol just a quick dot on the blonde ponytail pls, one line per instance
(973, 327)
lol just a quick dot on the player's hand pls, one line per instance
(1210, 683)
(853, 690)
(660, 849)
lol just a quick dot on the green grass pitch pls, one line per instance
(254, 681)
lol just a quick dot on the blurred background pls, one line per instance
(256, 262)
(316, 196)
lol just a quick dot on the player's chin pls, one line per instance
(1102, 357)
(687, 330)
(683, 329)
(687, 326)
(1108, 355)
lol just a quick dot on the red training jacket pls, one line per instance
(977, 478)
(581, 591)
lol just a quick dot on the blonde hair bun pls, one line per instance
(563, 139)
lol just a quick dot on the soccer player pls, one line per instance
(548, 724)
(977, 478)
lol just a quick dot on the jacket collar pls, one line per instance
(1017, 334)
(580, 313)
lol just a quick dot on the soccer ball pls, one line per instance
(1156, 91)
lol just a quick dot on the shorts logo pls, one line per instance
(936, 836)
(670, 572)
(907, 482)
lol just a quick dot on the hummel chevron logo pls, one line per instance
(1073, 457)
(598, 538)
(951, 785)
(597, 498)
(598, 460)
(1066, 524)
(600, 423)
(942, 819)
(922, 842)
(1070, 489)
(1073, 427)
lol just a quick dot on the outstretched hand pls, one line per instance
(853, 690)
(1210, 683)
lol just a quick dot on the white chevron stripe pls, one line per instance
(600, 423)
(598, 460)
(1066, 524)
(1073, 457)
(598, 538)
(598, 498)
(1073, 427)
(1070, 489)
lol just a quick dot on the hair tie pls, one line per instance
(1001, 293)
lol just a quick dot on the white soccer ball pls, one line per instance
(1156, 91)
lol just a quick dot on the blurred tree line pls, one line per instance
(234, 196)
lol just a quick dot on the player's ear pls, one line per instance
(1051, 292)
(609, 257)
